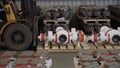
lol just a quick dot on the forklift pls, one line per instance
(18, 26)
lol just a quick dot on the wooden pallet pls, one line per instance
(56, 22)
(97, 46)
(76, 62)
(96, 20)
(58, 48)
(75, 47)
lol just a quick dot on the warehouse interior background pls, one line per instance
(74, 4)
(71, 3)
(73, 55)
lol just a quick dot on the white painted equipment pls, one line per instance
(107, 34)
(63, 36)
(94, 38)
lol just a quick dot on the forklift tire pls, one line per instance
(17, 37)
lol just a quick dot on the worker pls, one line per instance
(41, 18)
(2, 13)
(75, 22)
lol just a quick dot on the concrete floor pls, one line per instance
(62, 60)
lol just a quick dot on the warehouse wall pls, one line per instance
(74, 3)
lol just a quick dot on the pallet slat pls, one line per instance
(76, 47)
(100, 46)
(96, 20)
(59, 48)
(85, 46)
(108, 46)
(116, 46)
(75, 62)
(47, 22)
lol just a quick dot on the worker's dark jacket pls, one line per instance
(2, 13)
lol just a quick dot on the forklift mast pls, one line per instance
(29, 9)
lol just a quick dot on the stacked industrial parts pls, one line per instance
(58, 13)
(90, 18)
(92, 11)
(24, 59)
(97, 59)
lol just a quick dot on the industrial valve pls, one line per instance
(63, 36)
(107, 34)
(110, 35)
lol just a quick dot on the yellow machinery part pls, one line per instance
(9, 13)
(9, 16)
(7, 24)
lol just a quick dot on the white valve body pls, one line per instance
(107, 34)
(63, 36)
(62, 32)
